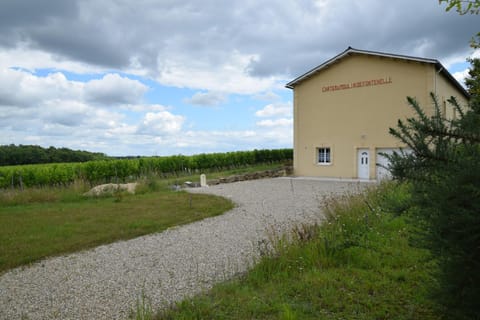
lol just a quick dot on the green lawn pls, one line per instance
(360, 264)
(40, 222)
(31, 232)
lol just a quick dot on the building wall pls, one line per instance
(444, 89)
(338, 108)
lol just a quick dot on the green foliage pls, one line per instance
(121, 170)
(472, 83)
(359, 264)
(463, 6)
(444, 171)
(29, 154)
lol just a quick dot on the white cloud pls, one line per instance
(206, 98)
(114, 89)
(460, 58)
(231, 76)
(122, 129)
(211, 140)
(460, 76)
(267, 96)
(475, 54)
(9, 87)
(278, 128)
(61, 112)
(161, 123)
(275, 123)
(102, 119)
(23, 89)
(145, 107)
(68, 113)
(460, 63)
(275, 109)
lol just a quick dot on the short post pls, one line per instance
(20, 180)
(203, 180)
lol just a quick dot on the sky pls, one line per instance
(164, 77)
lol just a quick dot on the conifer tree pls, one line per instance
(443, 168)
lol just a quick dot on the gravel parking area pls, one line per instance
(106, 282)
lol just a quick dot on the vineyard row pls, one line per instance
(104, 171)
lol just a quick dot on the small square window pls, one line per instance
(324, 156)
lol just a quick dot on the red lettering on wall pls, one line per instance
(357, 84)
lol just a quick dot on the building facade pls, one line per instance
(344, 108)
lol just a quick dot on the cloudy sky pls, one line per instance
(161, 77)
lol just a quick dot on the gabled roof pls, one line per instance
(351, 51)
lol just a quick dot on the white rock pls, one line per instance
(110, 188)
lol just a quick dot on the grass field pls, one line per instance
(360, 264)
(41, 222)
(31, 232)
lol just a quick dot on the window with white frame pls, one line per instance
(324, 155)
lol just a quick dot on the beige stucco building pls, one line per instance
(344, 107)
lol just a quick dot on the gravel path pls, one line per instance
(106, 282)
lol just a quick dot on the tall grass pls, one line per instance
(143, 308)
(39, 194)
(358, 264)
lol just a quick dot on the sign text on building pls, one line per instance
(357, 84)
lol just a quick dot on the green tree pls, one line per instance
(462, 6)
(32, 154)
(443, 169)
(472, 82)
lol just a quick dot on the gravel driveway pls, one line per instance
(106, 282)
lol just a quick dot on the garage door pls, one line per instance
(382, 163)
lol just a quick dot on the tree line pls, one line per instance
(34, 154)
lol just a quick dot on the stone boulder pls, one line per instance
(111, 188)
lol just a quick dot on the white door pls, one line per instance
(363, 164)
(383, 163)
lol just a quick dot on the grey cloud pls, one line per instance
(64, 119)
(57, 130)
(206, 99)
(80, 43)
(406, 27)
(19, 17)
(288, 37)
(10, 100)
(12, 117)
(64, 113)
